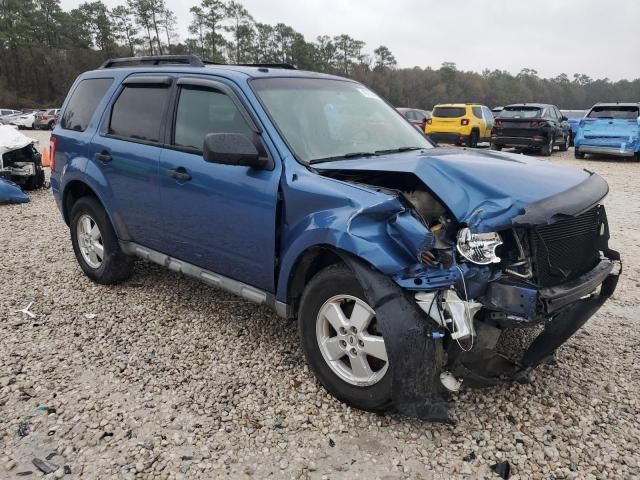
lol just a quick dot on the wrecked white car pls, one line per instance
(20, 161)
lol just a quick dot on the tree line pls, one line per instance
(43, 48)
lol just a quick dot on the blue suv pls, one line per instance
(409, 267)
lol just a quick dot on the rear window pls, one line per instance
(520, 112)
(84, 102)
(449, 112)
(138, 113)
(615, 112)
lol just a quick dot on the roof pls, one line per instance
(232, 71)
(535, 105)
(459, 105)
(617, 104)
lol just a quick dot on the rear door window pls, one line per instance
(449, 112)
(202, 111)
(138, 113)
(615, 112)
(84, 102)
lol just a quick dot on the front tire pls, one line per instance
(95, 244)
(342, 340)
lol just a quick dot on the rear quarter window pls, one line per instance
(449, 112)
(477, 112)
(83, 103)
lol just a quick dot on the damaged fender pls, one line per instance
(415, 356)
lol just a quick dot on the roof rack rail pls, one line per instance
(191, 60)
(284, 66)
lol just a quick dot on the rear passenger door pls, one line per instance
(219, 217)
(125, 154)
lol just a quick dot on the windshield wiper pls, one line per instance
(398, 150)
(346, 156)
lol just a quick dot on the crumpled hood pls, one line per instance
(12, 139)
(490, 190)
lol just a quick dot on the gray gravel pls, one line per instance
(163, 377)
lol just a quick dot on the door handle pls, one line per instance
(179, 174)
(104, 157)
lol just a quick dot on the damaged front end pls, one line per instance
(20, 161)
(483, 306)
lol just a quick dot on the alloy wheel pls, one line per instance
(90, 241)
(350, 341)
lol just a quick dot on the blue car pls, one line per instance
(409, 268)
(610, 129)
(573, 119)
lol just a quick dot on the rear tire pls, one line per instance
(103, 261)
(472, 141)
(495, 146)
(334, 286)
(566, 144)
(578, 154)
(547, 149)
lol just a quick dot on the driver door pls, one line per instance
(218, 217)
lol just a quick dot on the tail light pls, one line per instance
(498, 123)
(537, 123)
(464, 122)
(429, 122)
(44, 117)
(53, 143)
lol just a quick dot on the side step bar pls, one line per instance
(243, 290)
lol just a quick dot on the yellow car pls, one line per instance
(459, 123)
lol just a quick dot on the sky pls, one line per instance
(600, 38)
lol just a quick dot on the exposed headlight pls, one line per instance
(479, 248)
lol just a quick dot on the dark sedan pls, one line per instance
(531, 125)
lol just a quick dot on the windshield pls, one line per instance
(449, 112)
(520, 112)
(614, 112)
(324, 119)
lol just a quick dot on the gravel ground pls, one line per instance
(163, 377)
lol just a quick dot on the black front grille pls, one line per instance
(568, 248)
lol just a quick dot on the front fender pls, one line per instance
(375, 227)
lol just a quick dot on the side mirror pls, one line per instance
(232, 149)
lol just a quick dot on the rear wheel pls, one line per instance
(96, 245)
(547, 148)
(472, 142)
(496, 146)
(342, 340)
(566, 144)
(578, 154)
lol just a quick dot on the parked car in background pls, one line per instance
(338, 213)
(416, 116)
(611, 129)
(46, 120)
(27, 119)
(7, 114)
(496, 111)
(459, 123)
(531, 125)
(573, 117)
